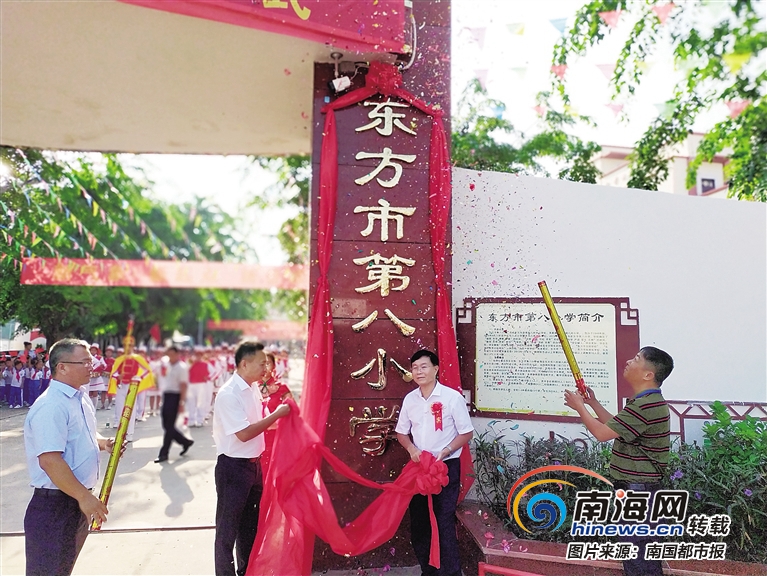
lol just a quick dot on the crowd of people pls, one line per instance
(25, 376)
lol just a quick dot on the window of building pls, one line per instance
(707, 184)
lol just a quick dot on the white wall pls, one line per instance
(695, 269)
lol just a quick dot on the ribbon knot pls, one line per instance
(433, 475)
(383, 78)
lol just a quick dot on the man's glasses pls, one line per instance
(80, 362)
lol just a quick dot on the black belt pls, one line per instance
(51, 492)
(256, 459)
(644, 486)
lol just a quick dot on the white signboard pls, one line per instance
(520, 363)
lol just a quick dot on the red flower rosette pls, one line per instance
(436, 410)
(432, 476)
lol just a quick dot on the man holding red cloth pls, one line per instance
(238, 428)
(436, 418)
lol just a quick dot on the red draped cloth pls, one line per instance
(296, 507)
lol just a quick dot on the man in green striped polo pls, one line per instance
(641, 433)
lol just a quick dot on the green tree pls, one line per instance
(85, 205)
(483, 140)
(719, 47)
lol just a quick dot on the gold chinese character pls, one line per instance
(404, 328)
(379, 429)
(385, 213)
(301, 12)
(381, 271)
(386, 162)
(362, 372)
(387, 116)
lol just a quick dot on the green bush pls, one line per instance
(498, 464)
(728, 475)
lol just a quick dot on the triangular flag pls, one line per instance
(540, 110)
(517, 28)
(521, 71)
(663, 10)
(130, 212)
(479, 36)
(95, 208)
(103, 216)
(735, 61)
(736, 107)
(611, 17)
(559, 70)
(616, 108)
(482, 77)
(559, 24)
(607, 70)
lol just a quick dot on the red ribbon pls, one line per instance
(436, 409)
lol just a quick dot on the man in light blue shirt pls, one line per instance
(62, 447)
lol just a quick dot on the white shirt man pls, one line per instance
(237, 431)
(437, 419)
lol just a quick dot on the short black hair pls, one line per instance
(247, 348)
(661, 362)
(425, 354)
(62, 350)
(174, 348)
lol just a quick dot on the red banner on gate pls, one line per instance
(263, 329)
(161, 274)
(372, 26)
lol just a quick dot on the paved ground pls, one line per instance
(170, 506)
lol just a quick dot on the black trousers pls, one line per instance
(170, 402)
(54, 532)
(444, 511)
(238, 487)
(639, 566)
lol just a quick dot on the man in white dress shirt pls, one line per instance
(237, 431)
(436, 418)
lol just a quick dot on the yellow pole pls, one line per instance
(579, 382)
(114, 458)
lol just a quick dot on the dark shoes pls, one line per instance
(187, 447)
(160, 459)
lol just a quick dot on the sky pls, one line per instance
(508, 46)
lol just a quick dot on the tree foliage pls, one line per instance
(71, 205)
(483, 140)
(719, 49)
